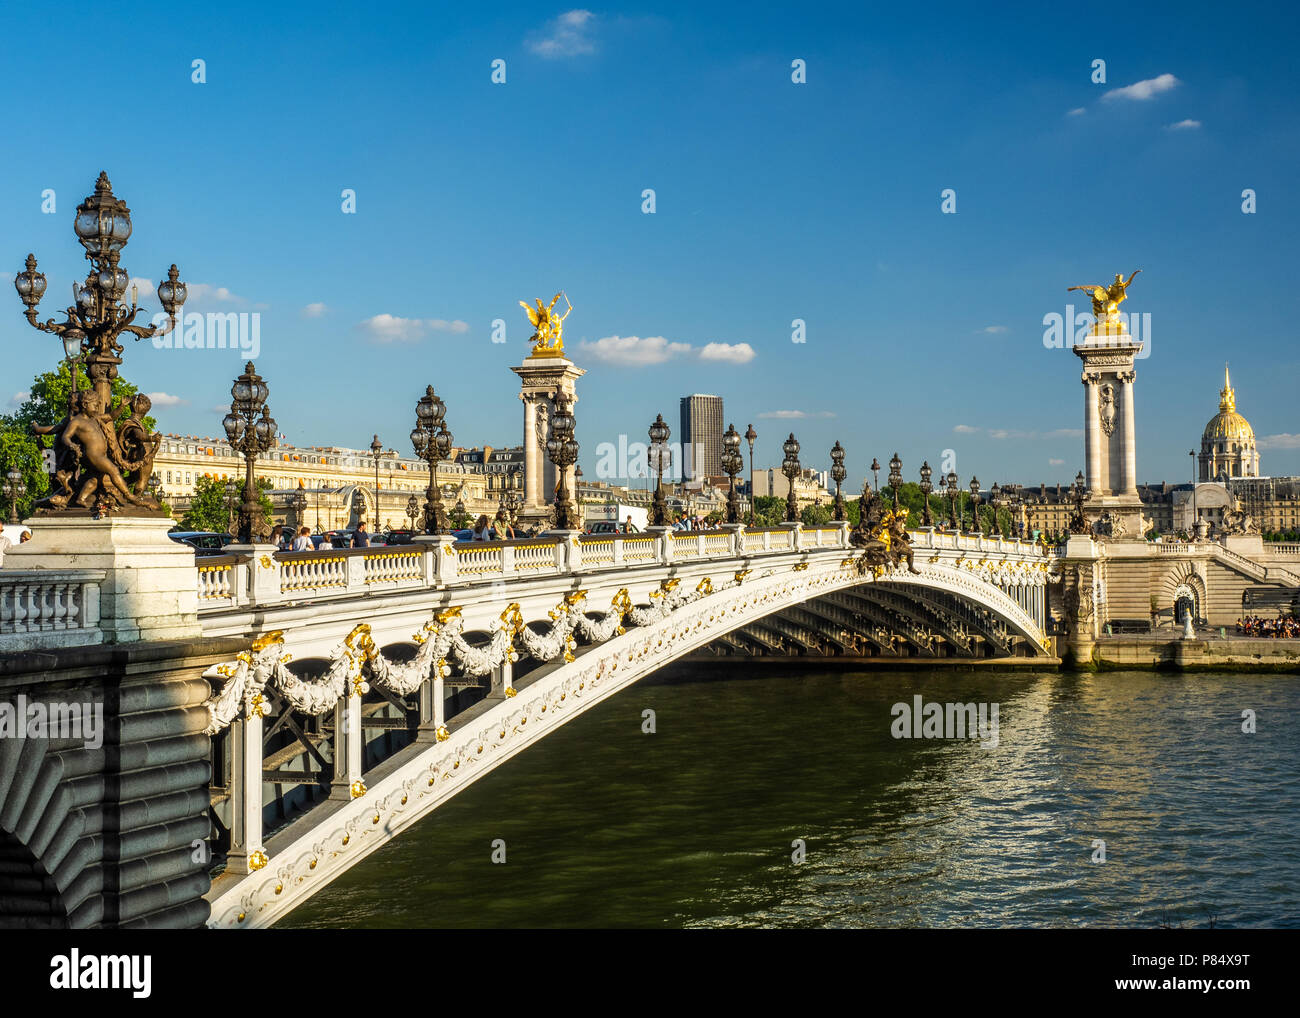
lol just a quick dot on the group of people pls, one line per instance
(1253, 625)
(6, 544)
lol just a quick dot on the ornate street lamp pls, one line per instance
(562, 449)
(895, 477)
(412, 510)
(94, 323)
(838, 473)
(790, 467)
(459, 513)
(1079, 521)
(13, 489)
(732, 464)
(299, 503)
(750, 435)
(432, 443)
(376, 450)
(997, 501)
(514, 502)
(875, 474)
(250, 435)
(975, 506)
(926, 488)
(953, 494)
(657, 456)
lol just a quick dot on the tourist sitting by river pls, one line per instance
(1284, 628)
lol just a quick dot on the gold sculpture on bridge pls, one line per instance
(1107, 299)
(548, 337)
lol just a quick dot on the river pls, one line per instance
(696, 824)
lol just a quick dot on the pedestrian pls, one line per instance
(482, 532)
(303, 541)
(361, 539)
(277, 536)
(502, 528)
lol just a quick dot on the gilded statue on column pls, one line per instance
(1107, 299)
(548, 335)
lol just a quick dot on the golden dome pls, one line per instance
(1228, 425)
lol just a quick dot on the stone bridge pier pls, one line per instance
(104, 785)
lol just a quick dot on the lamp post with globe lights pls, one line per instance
(376, 451)
(838, 473)
(790, 467)
(432, 443)
(750, 435)
(954, 492)
(562, 450)
(251, 431)
(13, 489)
(996, 501)
(659, 456)
(90, 334)
(732, 464)
(975, 506)
(926, 488)
(895, 477)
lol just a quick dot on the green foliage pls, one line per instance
(459, 520)
(768, 510)
(211, 508)
(48, 402)
(815, 515)
(22, 450)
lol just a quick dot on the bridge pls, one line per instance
(325, 701)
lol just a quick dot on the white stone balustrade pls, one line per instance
(44, 608)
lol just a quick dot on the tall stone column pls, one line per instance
(1092, 436)
(1130, 442)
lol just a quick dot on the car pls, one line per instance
(463, 535)
(611, 527)
(399, 536)
(204, 542)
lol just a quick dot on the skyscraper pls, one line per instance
(701, 436)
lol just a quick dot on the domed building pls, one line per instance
(1228, 444)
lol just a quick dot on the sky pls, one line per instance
(775, 201)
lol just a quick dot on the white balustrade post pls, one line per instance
(507, 560)
(356, 572)
(842, 534)
(263, 572)
(618, 551)
(246, 853)
(442, 550)
(735, 539)
(663, 542)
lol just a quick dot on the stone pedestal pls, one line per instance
(150, 586)
(541, 376)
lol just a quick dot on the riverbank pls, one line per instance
(1205, 653)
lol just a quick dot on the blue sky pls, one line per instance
(774, 201)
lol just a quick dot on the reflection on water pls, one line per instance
(694, 825)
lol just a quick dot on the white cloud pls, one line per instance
(1055, 463)
(386, 328)
(1142, 90)
(19, 398)
(993, 330)
(1078, 111)
(222, 409)
(731, 353)
(1001, 434)
(633, 351)
(794, 415)
(1184, 125)
(314, 310)
(964, 429)
(146, 287)
(441, 325)
(569, 35)
(206, 293)
(161, 399)
(1282, 441)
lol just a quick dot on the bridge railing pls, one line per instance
(42, 608)
(282, 578)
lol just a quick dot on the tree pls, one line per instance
(213, 509)
(768, 510)
(815, 515)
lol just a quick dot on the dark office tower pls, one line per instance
(701, 436)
